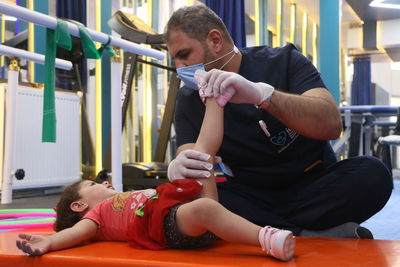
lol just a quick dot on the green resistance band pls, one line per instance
(5, 211)
(28, 221)
(89, 48)
(106, 48)
(60, 36)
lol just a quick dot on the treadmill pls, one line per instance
(139, 175)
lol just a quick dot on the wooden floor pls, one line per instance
(309, 252)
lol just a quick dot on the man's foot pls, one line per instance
(346, 230)
(364, 233)
(277, 243)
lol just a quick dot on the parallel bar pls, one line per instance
(51, 23)
(38, 58)
(9, 138)
(99, 106)
(116, 122)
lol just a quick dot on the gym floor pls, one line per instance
(385, 224)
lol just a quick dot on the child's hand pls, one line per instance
(34, 245)
(199, 76)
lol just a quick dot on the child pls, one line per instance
(170, 216)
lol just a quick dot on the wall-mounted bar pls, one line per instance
(51, 23)
(38, 58)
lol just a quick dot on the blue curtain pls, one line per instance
(232, 14)
(361, 85)
(17, 26)
(73, 10)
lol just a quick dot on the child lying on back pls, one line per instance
(171, 216)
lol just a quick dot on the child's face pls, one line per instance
(93, 193)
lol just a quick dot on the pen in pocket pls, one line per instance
(264, 128)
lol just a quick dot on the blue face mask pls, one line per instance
(186, 74)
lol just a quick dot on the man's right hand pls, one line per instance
(190, 164)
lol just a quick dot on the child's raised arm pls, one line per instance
(209, 141)
(37, 245)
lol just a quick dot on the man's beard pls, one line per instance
(207, 56)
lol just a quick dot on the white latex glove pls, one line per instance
(201, 83)
(231, 87)
(190, 164)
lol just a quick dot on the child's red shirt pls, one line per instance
(138, 216)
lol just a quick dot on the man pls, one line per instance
(278, 119)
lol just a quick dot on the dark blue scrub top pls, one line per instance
(255, 159)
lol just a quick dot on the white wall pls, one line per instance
(387, 78)
(388, 33)
(353, 37)
(382, 73)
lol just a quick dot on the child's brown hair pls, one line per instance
(66, 217)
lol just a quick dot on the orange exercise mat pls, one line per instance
(309, 252)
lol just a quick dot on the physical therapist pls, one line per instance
(279, 118)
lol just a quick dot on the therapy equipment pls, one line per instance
(359, 123)
(142, 174)
(51, 23)
(29, 222)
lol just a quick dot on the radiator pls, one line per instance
(47, 164)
